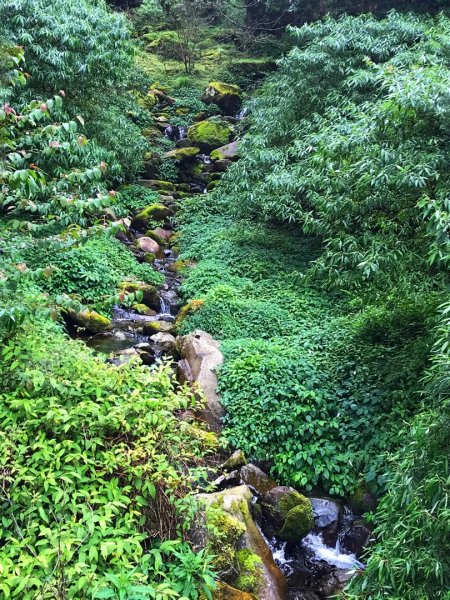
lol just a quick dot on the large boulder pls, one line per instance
(243, 558)
(227, 96)
(147, 244)
(210, 134)
(150, 295)
(153, 212)
(356, 539)
(229, 151)
(202, 354)
(288, 514)
(90, 320)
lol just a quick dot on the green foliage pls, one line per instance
(85, 50)
(92, 271)
(92, 480)
(354, 151)
(305, 380)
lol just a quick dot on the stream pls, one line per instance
(317, 565)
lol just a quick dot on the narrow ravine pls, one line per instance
(300, 559)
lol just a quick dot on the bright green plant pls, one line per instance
(93, 461)
(86, 50)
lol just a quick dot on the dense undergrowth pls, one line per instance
(328, 338)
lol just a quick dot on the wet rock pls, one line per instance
(222, 165)
(245, 549)
(288, 514)
(150, 295)
(230, 479)
(236, 460)
(256, 479)
(90, 320)
(202, 353)
(153, 212)
(159, 184)
(303, 596)
(153, 327)
(327, 586)
(148, 245)
(226, 592)
(327, 518)
(356, 539)
(165, 234)
(124, 357)
(210, 134)
(226, 96)
(184, 143)
(142, 309)
(229, 151)
(164, 343)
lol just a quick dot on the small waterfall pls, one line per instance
(333, 556)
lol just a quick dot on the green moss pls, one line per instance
(158, 327)
(250, 569)
(150, 295)
(95, 322)
(298, 522)
(183, 153)
(290, 501)
(153, 212)
(225, 531)
(212, 133)
(155, 237)
(142, 309)
(225, 88)
(150, 257)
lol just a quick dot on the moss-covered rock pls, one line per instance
(183, 153)
(153, 327)
(150, 258)
(142, 309)
(298, 522)
(250, 571)
(150, 295)
(210, 134)
(236, 460)
(153, 212)
(90, 320)
(149, 245)
(151, 233)
(187, 309)
(288, 513)
(160, 184)
(227, 96)
(212, 185)
(229, 151)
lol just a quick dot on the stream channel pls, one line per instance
(315, 567)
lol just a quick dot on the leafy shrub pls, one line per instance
(86, 50)
(93, 487)
(301, 373)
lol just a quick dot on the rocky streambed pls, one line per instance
(271, 542)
